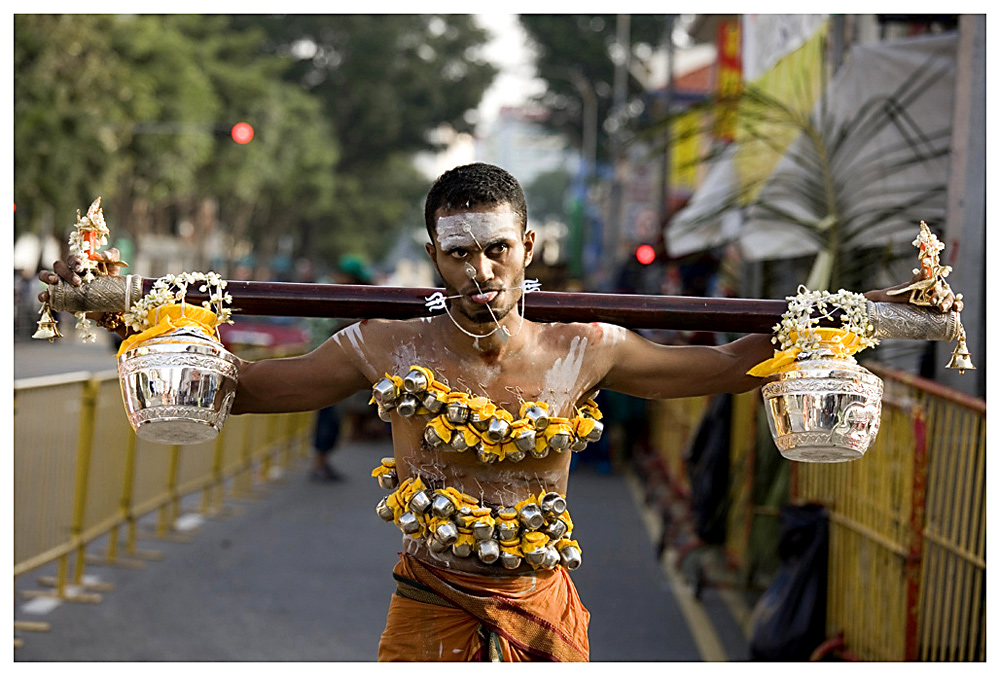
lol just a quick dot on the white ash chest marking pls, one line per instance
(561, 380)
(613, 333)
(403, 356)
(357, 340)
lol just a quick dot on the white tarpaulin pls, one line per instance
(874, 178)
(708, 221)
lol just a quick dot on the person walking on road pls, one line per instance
(486, 408)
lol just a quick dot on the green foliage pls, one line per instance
(138, 108)
(385, 80)
(70, 96)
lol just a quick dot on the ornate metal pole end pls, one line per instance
(902, 320)
(103, 294)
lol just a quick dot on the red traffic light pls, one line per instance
(645, 254)
(242, 133)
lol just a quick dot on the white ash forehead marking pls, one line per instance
(562, 378)
(475, 228)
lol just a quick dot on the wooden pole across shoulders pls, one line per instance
(632, 311)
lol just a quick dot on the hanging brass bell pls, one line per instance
(48, 329)
(960, 358)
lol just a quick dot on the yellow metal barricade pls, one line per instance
(80, 472)
(673, 423)
(871, 507)
(742, 452)
(908, 528)
(952, 600)
(46, 468)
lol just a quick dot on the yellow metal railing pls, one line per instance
(742, 445)
(673, 423)
(952, 599)
(80, 474)
(907, 550)
(908, 528)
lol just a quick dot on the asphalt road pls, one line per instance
(35, 358)
(303, 574)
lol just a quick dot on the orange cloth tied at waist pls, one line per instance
(536, 617)
(169, 318)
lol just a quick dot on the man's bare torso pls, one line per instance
(559, 364)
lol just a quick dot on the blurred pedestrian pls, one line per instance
(329, 426)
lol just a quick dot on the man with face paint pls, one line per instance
(488, 542)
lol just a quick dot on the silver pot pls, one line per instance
(178, 387)
(571, 557)
(488, 551)
(824, 409)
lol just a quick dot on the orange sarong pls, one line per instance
(468, 617)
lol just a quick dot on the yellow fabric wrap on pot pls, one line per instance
(566, 542)
(842, 343)
(532, 541)
(584, 426)
(388, 465)
(590, 408)
(169, 318)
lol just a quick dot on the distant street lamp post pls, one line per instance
(589, 100)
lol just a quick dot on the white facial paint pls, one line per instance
(561, 380)
(473, 229)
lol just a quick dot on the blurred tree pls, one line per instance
(137, 109)
(172, 106)
(581, 47)
(70, 100)
(385, 81)
(284, 178)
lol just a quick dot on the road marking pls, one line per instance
(702, 629)
(189, 522)
(41, 605)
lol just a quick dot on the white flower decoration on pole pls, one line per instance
(172, 289)
(807, 308)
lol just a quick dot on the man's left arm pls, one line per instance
(644, 369)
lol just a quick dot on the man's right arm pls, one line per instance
(305, 383)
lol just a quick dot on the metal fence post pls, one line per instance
(914, 558)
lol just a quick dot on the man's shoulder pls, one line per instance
(592, 331)
(390, 328)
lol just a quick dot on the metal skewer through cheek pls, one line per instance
(503, 334)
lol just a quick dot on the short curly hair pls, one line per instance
(474, 185)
